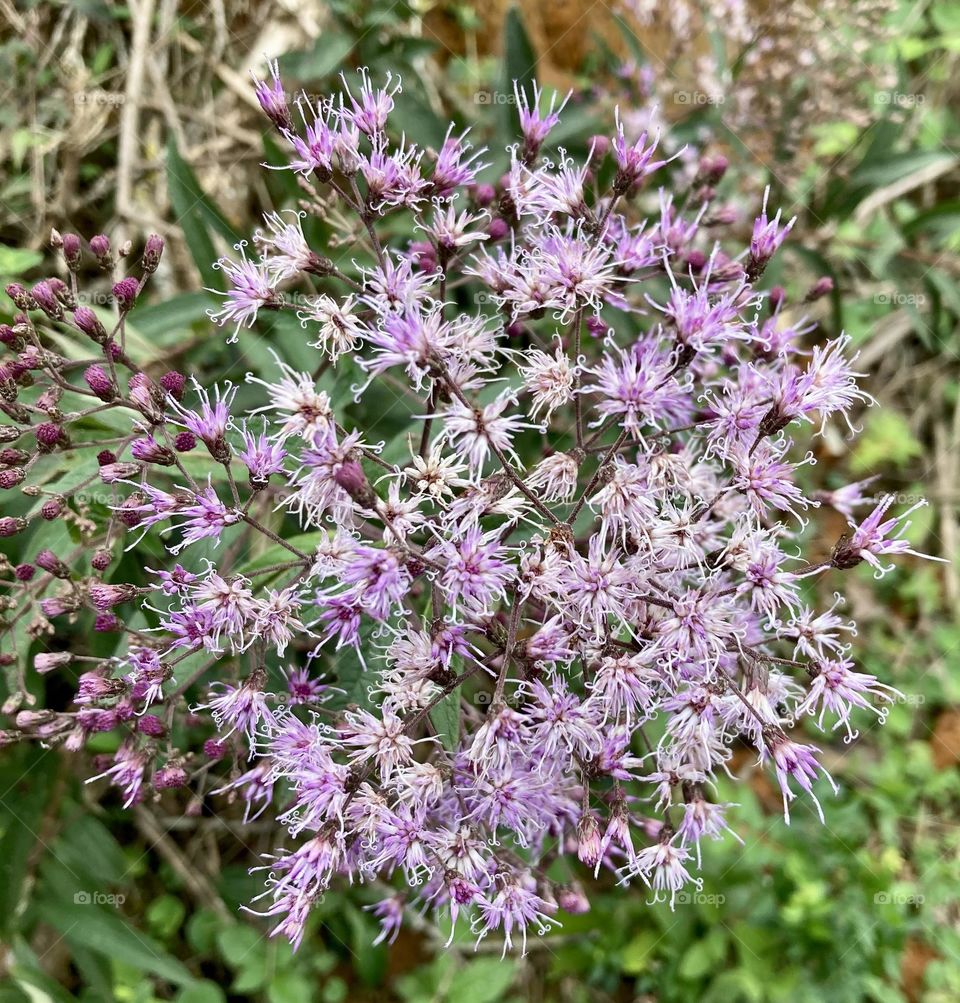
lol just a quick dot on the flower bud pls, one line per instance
(10, 338)
(152, 251)
(88, 322)
(173, 383)
(100, 382)
(168, 777)
(151, 725)
(148, 450)
(11, 477)
(106, 623)
(58, 605)
(599, 147)
(712, 169)
(100, 246)
(24, 572)
(21, 298)
(63, 293)
(498, 228)
(10, 457)
(110, 473)
(484, 195)
(27, 720)
(11, 525)
(572, 899)
(72, 251)
(51, 509)
(125, 293)
(101, 560)
(46, 299)
(47, 661)
(49, 435)
(52, 564)
(105, 597)
(184, 442)
(147, 396)
(822, 287)
(94, 719)
(127, 513)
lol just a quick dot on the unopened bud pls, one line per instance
(152, 252)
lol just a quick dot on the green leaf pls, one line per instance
(165, 322)
(703, 955)
(327, 55)
(107, 933)
(290, 987)
(637, 956)
(251, 975)
(886, 440)
(446, 719)
(27, 781)
(196, 215)
(88, 848)
(15, 261)
(202, 992)
(238, 944)
(483, 981)
(897, 166)
(36, 985)
(202, 929)
(165, 916)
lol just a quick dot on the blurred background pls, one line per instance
(128, 117)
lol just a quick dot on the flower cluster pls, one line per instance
(569, 586)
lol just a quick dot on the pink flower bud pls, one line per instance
(151, 725)
(100, 382)
(168, 777)
(88, 322)
(47, 661)
(152, 251)
(71, 250)
(45, 298)
(173, 382)
(100, 246)
(21, 298)
(125, 293)
(11, 477)
(52, 564)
